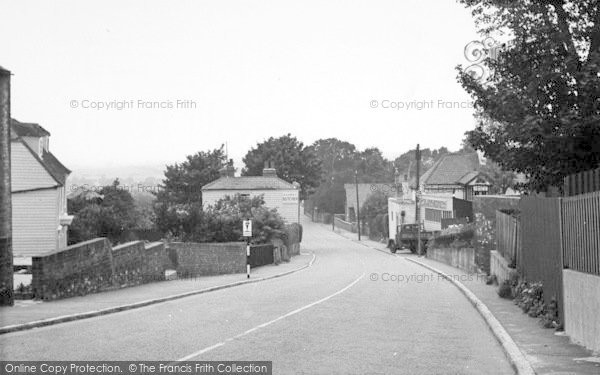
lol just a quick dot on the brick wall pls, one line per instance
(94, 266)
(202, 259)
(74, 271)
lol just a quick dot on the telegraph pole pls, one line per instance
(357, 206)
(417, 196)
(6, 253)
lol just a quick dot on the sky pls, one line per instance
(149, 82)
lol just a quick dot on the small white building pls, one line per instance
(277, 193)
(39, 199)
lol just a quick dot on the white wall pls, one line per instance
(582, 306)
(35, 222)
(395, 207)
(26, 171)
(285, 201)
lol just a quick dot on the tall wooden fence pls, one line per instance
(582, 183)
(581, 233)
(541, 256)
(507, 236)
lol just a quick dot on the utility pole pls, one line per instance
(417, 196)
(357, 206)
(332, 207)
(6, 254)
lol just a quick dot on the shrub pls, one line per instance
(505, 291)
(456, 236)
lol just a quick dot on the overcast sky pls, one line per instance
(253, 69)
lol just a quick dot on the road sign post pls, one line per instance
(247, 232)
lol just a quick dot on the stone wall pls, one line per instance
(463, 258)
(202, 259)
(499, 267)
(77, 270)
(94, 266)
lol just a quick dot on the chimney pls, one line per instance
(228, 170)
(269, 169)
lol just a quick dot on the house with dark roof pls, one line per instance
(277, 193)
(38, 191)
(456, 175)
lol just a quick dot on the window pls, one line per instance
(437, 215)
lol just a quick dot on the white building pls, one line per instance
(277, 193)
(39, 199)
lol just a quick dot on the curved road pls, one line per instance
(355, 311)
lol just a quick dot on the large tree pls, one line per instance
(293, 160)
(539, 107)
(179, 200)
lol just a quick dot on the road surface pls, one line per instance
(355, 311)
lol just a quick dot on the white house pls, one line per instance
(39, 199)
(277, 193)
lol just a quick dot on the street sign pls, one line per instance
(247, 228)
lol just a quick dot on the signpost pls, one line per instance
(247, 232)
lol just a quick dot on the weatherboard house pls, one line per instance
(277, 193)
(38, 192)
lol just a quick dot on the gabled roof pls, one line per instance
(58, 171)
(55, 168)
(452, 169)
(249, 183)
(28, 129)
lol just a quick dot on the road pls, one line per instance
(347, 314)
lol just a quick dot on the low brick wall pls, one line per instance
(581, 305)
(94, 266)
(499, 267)
(80, 269)
(463, 258)
(202, 259)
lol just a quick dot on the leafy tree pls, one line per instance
(180, 198)
(294, 162)
(373, 212)
(110, 213)
(538, 110)
(373, 167)
(222, 222)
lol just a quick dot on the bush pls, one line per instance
(456, 236)
(505, 291)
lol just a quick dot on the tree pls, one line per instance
(180, 196)
(373, 212)
(222, 222)
(294, 162)
(110, 213)
(539, 109)
(373, 167)
(406, 163)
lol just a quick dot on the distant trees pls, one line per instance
(108, 213)
(293, 160)
(539, 109)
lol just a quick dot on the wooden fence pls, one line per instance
(581, 233)
(541, 256)
(507, 237)
(582, 183)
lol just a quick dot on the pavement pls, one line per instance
(348, 313)
(547, 351)
(30, 311)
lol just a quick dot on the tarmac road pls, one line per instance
(355, 311)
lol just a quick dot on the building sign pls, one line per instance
(430, 203)
(290, 197)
